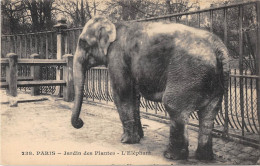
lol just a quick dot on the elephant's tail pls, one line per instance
(223, 67)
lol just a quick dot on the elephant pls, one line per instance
(185, 68)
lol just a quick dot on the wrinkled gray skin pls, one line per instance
(184, 68)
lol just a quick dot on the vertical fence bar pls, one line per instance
(187, 19)
(20, 46)
(5, 45)
(211, 20)
(107, 93)
(68, 43)
(36, 43)
(226, 120)
(225, 26)
(30, 52)
(52, 48)
(47, 46)
(73, 41)
(252, 103)
(246, 100)
(241, 84)
(156, 107)
(146, 105)
(99, 84)
(25, 45)
(16, 44)
(198, 17)
(41, 45)
(86, 85)
(13, 44)
(93, 84)
(257, 62)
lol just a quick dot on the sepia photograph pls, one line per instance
(130, 82)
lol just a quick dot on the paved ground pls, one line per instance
(41, 133)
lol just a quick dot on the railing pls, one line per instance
(97, 88)
(12, 81)
(42, 43)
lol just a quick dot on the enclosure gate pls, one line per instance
(239, 117)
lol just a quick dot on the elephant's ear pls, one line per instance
(101, 31)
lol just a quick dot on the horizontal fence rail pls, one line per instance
(35, 83)
(36, 62)
(12, 81)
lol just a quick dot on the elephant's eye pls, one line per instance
(83, 43)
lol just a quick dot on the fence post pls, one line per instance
(226, 107)
(241, 68)
(35, 74)
(258, 65)
(11, 78)
(60, 47)
(68, 91)
(11, 74)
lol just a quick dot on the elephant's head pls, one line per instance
(91, 51)
(94, 41)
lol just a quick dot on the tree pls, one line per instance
(136, 9)
(249, 30)
(26, 15)
(41, 14)
(76, 12)
(12, 14)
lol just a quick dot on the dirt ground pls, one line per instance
(40, 133)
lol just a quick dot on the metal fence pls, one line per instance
(244, 125)
(241, 118)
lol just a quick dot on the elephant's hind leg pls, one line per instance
(178, 141)
(179, 106)
(206, 123)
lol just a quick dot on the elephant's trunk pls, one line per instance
(79, 78)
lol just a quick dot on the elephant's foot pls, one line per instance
(176, 153)
(204, 154)
(130, 138)
(77, 123)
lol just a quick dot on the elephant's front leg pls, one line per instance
(125, 97)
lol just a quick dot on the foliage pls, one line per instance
(13, 18)
(136, 9)
(38, 15)
(26, 15)
(21, 16)
(248, 34)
